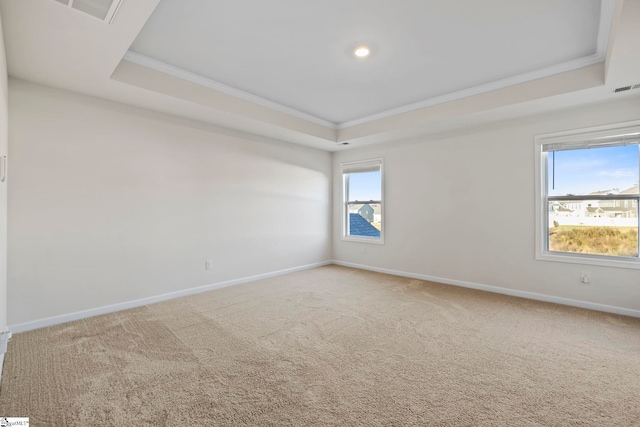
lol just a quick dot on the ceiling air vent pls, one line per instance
(104, 10)
(626, 88)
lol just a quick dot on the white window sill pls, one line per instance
(619, 262)
(373, 240)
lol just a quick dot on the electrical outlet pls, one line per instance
(585, 277)
(208, 265)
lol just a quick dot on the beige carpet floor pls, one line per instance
(331, 346)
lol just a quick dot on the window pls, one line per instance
(587, 196)
(362, 218)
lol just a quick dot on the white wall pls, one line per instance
(443, 198)
(3, 186)
(109, 203)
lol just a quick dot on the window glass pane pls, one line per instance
(591, 226)
(605, 170)
(364, 219)
(598, 227)
(365, 186)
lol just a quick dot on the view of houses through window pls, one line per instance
(365, 219)
(592, 200)
(363, 199)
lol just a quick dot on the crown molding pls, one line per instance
(477, 90)
(607, 11)
(163, 67)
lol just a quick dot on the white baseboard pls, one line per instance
(5, 336)
(1, 366)
(54, 320)
(63, 318)
(498, 290)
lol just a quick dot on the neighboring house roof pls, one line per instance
(609, 209)
(632, 190)
(605, 192)
(615, 209)
(358, 226)
(561, 207)
(376, 207)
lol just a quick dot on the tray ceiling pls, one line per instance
(298, 55)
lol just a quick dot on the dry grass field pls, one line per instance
(618, 241)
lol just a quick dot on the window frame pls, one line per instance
(344, 172)
(574, 137)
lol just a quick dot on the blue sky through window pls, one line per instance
(365, 186)
(596, 169)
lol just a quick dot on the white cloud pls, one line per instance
(618, 173)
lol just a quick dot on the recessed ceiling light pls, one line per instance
(362, 51)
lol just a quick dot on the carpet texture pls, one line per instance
(331, 346)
